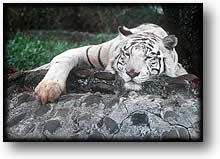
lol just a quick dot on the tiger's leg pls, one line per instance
(54, 82)
(109, 67)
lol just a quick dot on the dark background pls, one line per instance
(183, 20)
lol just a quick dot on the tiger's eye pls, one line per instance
(158, 52)
(127, 54)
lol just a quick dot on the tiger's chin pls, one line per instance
(132, 86)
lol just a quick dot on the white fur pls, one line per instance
(62, 64)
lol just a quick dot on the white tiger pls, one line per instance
(135, 55)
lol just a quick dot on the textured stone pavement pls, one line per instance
(168, 109)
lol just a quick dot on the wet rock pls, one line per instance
(103, 88)
(11, 89)
(25, 97)
(85, 117)
(144, 116)
(139, 119)
(183, 133)
(31, 79)
(100, 123)
(169, 135)
(43, 109)
(63, 112)
(177, 133)
(14, 76)
(194, 134)
(15, 120)
(170, 114)
(92, 99)
(82, 73)
(110, 124)
(104, 75)
(196, 86)
(96, 136)
(165, 86)
(182, 80)
(69, 97)
(52, 126)
(111, 101)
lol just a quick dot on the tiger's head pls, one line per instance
(142, 55)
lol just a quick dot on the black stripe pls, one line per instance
(158, 71)
(142, 39)
(164, 66)
(151, 41)
(151, 45)
(99, 58)
(160, 64)
(120, 63)
(117, 56)
(147, 57)
(153, 38)
(87, 51)
(148, 48)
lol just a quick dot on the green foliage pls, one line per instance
(25, 52)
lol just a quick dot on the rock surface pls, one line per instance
(97, 108)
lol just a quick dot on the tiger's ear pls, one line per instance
(124, 32)
(170, 42)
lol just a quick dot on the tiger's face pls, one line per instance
(140, 58)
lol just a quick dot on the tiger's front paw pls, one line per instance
(47, 91)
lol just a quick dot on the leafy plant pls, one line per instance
(25, 52)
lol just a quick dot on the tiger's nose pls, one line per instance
(132, 73)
